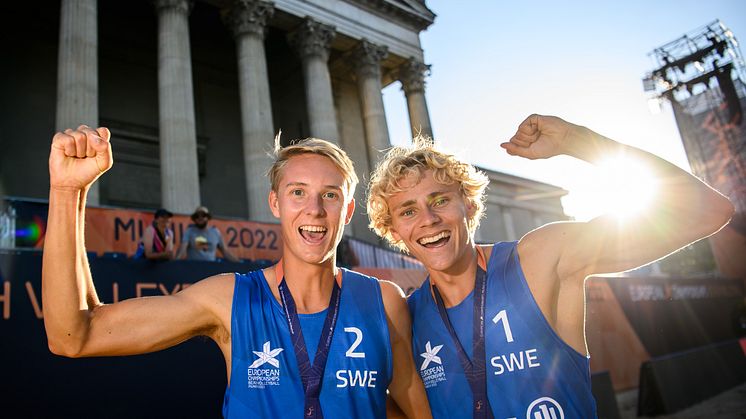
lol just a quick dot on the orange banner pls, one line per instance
(119, 230)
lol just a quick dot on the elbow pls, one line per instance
(723, 211)
(60, 348)
(64, 344)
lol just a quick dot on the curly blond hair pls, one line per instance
(403, 161)
(312, 146)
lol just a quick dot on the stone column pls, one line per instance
(412, 76)
(366, 58)
(312, 40)
(178, 136)
(248, 19)
(77, 70)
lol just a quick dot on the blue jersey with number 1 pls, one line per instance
(531, 372)
(265, 381)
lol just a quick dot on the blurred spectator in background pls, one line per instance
(157, 243)
(200, 242)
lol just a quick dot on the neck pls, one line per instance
(455, 283)
(310, 284)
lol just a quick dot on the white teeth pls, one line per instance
(315, 229)
(433, 239)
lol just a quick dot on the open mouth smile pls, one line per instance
(311, 233)
(436, 240)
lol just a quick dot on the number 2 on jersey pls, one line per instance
(358, 340)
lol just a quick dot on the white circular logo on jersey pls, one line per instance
(545, 408)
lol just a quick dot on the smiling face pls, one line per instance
(431, 218)
(313, 205)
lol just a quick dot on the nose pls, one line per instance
(315, 206)
(430, 217)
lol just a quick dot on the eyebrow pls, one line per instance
(292, 184)
(411, 202)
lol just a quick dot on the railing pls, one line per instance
(370, 256)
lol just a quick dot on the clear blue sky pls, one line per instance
(495, 62)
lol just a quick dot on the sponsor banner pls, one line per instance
(186, 381)
(119, 230)
(613, 343)
(675, 314)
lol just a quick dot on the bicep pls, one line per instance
(148, 324)
(601, 245)
(397, 312)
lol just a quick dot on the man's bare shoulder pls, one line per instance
(390, 290)
(394, 301)
(213, 290)
(549, 238)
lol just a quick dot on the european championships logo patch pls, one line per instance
(260, 372)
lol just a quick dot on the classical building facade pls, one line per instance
(195, 91)
(516, 206)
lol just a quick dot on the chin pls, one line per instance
(431, 263)
(316, 258)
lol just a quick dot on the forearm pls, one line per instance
(91, 296)
(65, 274)
(681, 197)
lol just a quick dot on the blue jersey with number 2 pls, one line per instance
(531, 372)
(265, 381)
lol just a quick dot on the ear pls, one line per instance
(274, 205)
(471, 209)
(350, 211)
(394, 234)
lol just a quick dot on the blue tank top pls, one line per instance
(265, 381)
(531, 371)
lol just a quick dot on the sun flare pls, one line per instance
(625, 187)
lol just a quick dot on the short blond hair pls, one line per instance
(311, 146)
(403, 161)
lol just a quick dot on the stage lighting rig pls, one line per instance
(692, 63)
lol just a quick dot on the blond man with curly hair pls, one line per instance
(498, 330)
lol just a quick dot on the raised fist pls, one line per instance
(78, 157)
(541, 137)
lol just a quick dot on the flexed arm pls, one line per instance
(76, 322)
(76, 160)
(684, 210)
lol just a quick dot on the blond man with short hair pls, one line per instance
(302, 338)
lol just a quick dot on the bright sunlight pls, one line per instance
(624, 187)
(619, 186)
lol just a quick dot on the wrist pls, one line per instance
(588, 145)
(63, 193)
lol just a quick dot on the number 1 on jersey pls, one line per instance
(503, 315)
